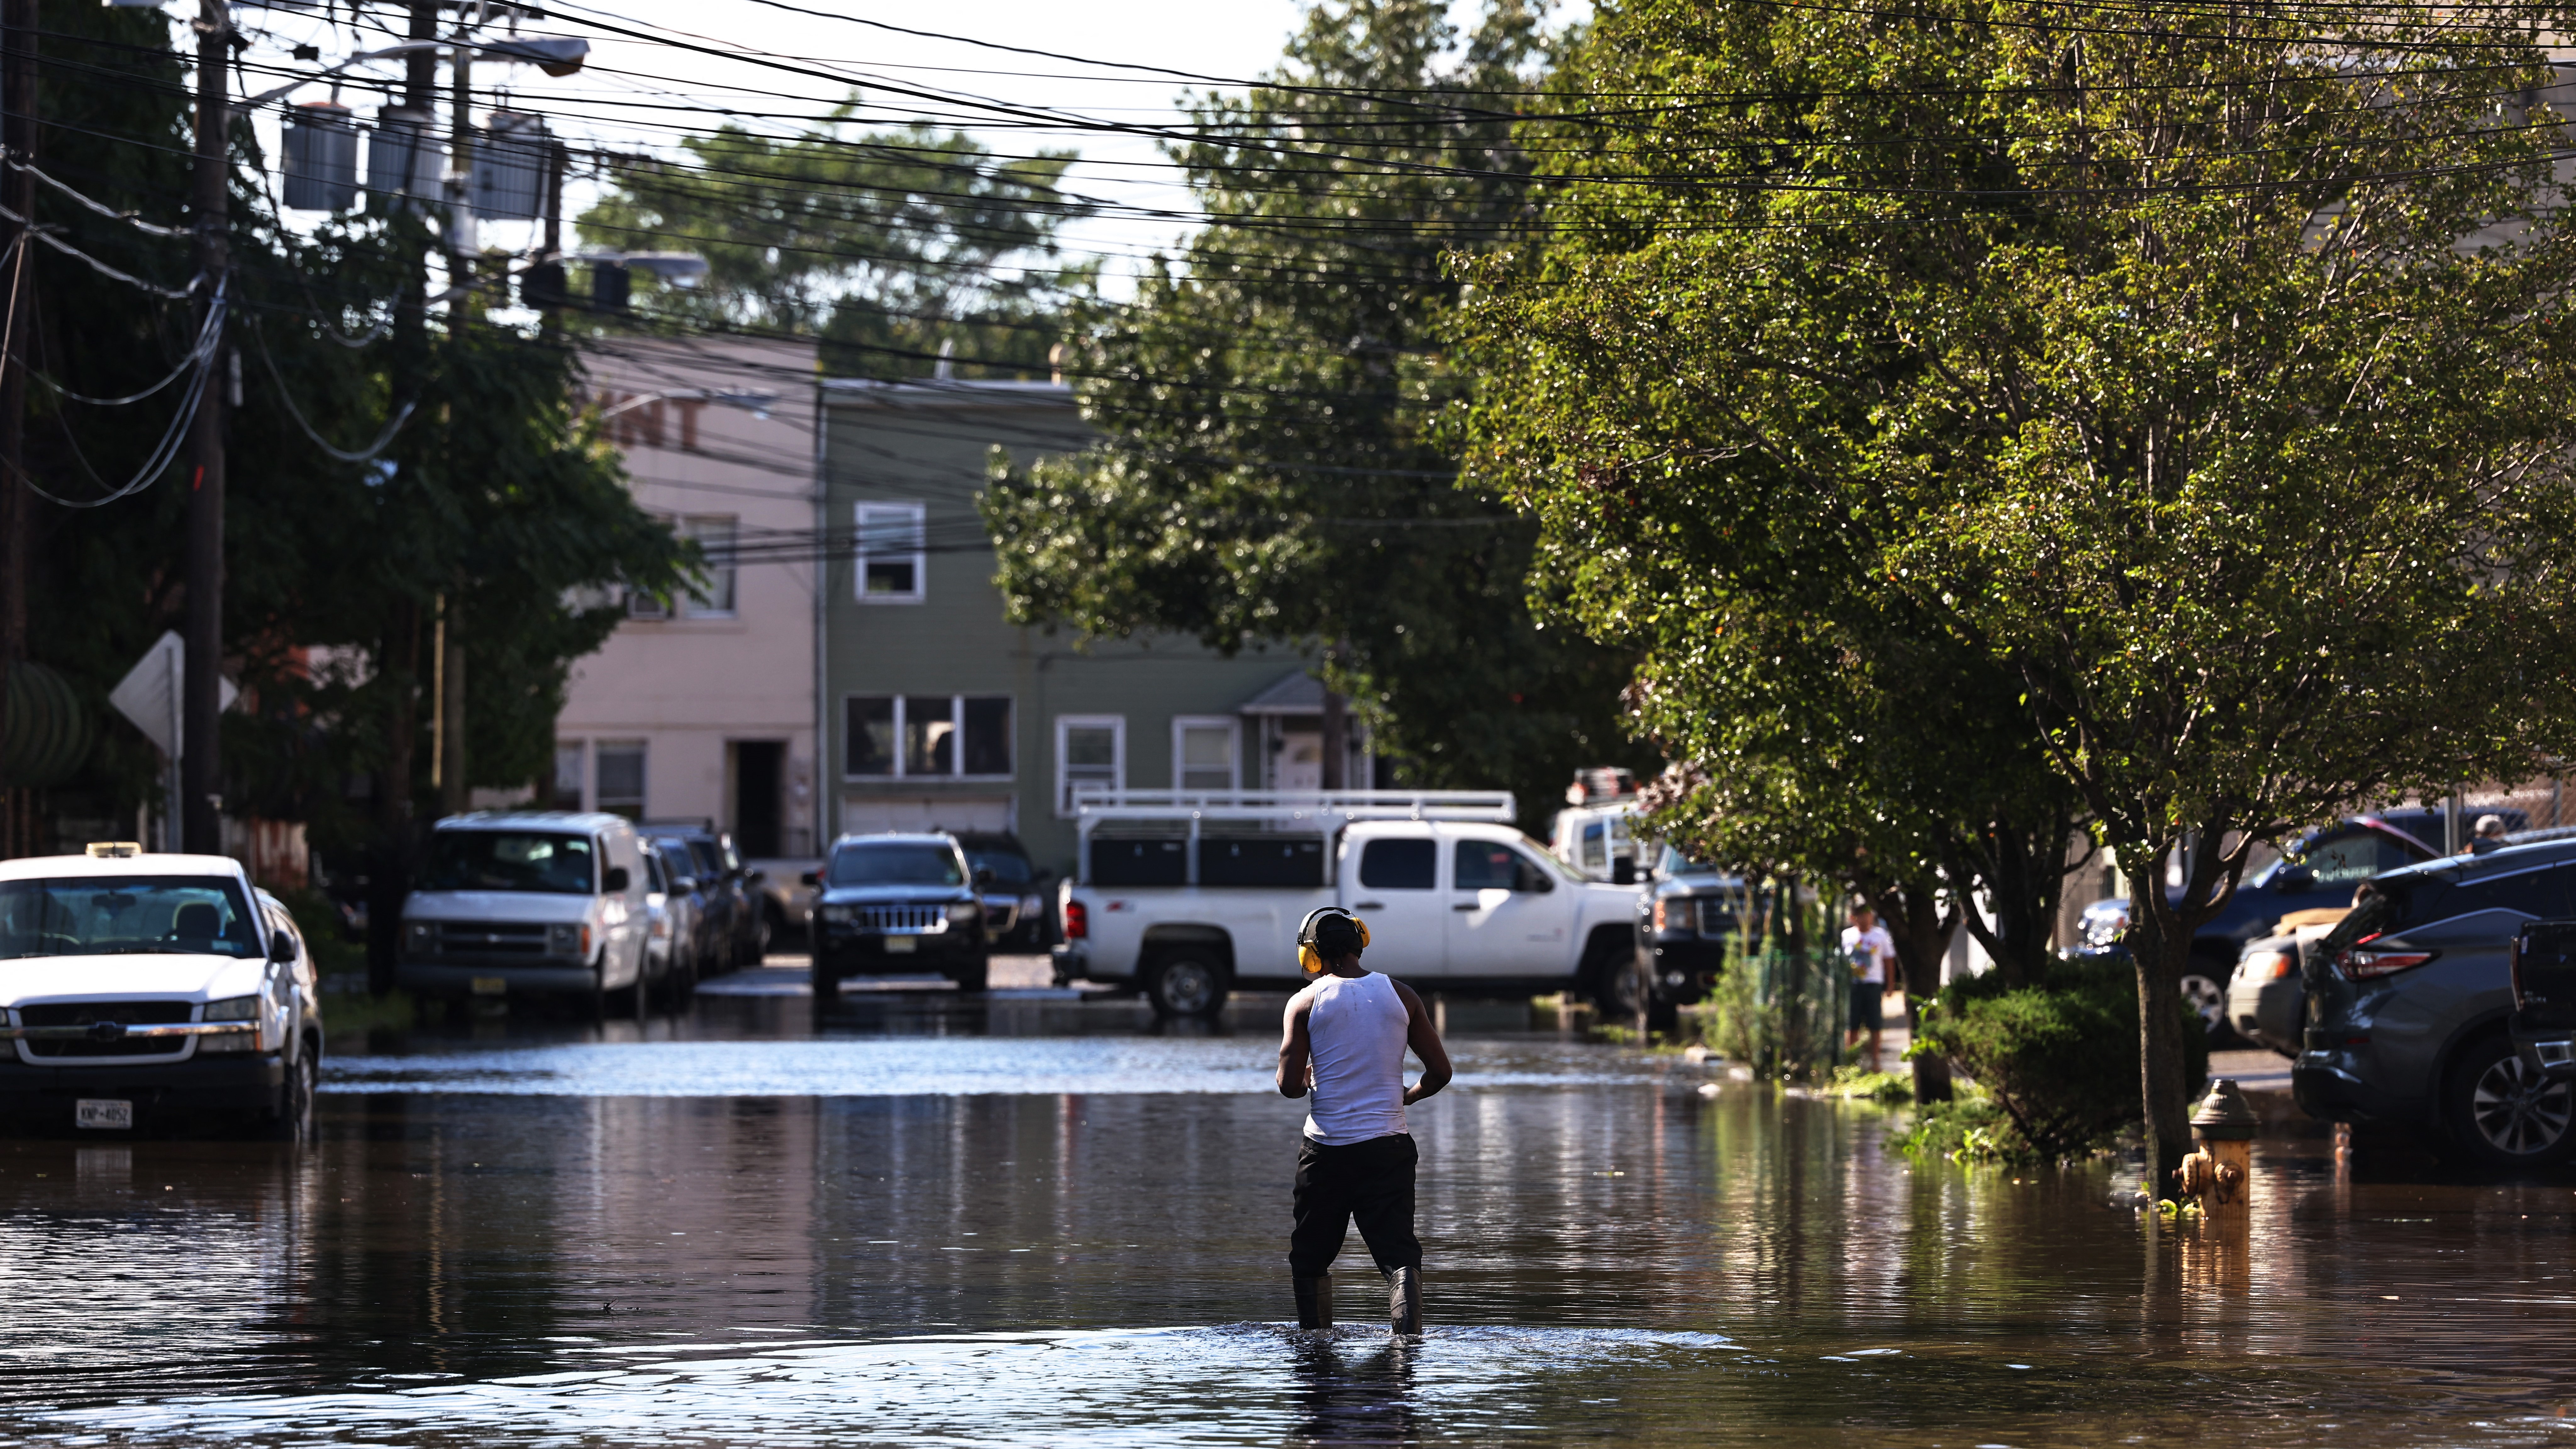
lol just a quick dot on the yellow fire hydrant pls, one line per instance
(2221, 1172)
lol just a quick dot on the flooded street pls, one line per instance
(1035, 1220)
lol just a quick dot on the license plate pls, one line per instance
(490, 985)
(902, 945)
(101, 1112)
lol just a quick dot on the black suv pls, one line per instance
(897, 905)
(1686, 915)
(1016, 909)
(737, 918)
(2408, 1004)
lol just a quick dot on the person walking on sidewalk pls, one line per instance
(1871, 952)
(1344, 1041)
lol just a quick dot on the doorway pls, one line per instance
(759, 768)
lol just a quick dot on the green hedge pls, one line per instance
(2061, 1057)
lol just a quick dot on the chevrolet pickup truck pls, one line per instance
(1186, 895)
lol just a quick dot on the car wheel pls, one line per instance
(2502, 1112)
(1185, 983)
(2204, 990)
(1618, 989)
(294, 1119)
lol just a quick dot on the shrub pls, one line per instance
(1859, 1083)
(1969, 1128)
(2059, 1058)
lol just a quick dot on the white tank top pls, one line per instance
(1357, 1026)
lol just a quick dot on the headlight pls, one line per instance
(569, 940)
(233, 1008)
(965, 913)
(838, 913)
(419, 936)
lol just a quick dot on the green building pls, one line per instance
(937, 713)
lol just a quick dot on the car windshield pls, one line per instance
(508, 860)
(676, 858)
(1676, 863)
(1009, 867)
(121, 915)
(893, 864)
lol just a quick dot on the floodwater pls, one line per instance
(1037, 1221)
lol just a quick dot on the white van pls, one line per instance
(543, 903)
(148, 990)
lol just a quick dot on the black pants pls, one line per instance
(1371, 1181)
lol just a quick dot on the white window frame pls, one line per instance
(643, 749)
(721, 568)
(957, 737)
(1233, 727)
(1065, 724)
(580, 750)
(919, 553)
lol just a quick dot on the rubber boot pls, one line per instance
(1404, 1302)
(1314, 1300)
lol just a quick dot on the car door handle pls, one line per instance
(1368, 905)
(1467, 906)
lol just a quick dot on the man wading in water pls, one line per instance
(1345, 1041)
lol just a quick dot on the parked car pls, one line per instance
(737, 932)
(671, 945)
(1687, 914)
(2320, 870)
(2267, 996)
(1016, 917)
(2409, 1001)
(897, 905)
(1183, 903)
(536, 903)
(151, 991)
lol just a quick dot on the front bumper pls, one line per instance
(555, 978)
(44, 1099)
(1685, 967)
(863, 953)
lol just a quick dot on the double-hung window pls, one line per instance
(892, 554)
(1205, 749)
(715, 536)
(928, 736)
(1090, 749)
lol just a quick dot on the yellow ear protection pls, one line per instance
(1310, 960)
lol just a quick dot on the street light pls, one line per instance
(556, 57)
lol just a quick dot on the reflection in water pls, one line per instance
(1611, 1256)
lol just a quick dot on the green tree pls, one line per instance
(887, 244)
(2196, 368)
(1273, 470)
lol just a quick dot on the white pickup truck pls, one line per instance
(1185, 895)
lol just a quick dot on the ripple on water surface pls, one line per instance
(898, 1067)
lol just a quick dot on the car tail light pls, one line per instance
(2362, 964)
(1077, 922)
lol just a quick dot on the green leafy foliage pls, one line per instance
(885, 243)
(1273, 469)
(1971, 1129)
(2059, 1057)
(2187, 378)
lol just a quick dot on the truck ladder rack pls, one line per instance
(1325, 808)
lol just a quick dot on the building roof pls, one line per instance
(1296, 692)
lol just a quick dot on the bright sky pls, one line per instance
(637, 95)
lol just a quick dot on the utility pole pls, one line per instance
(389, 880)
(18, 189)
(461, 266)
(200, 776)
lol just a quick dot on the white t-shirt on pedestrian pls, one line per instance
(1870, 952)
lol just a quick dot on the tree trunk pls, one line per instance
(1921, 930)
(2159, 947)
(389, 879)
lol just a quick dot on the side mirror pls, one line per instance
(281, 948)
(983, 877)
(618, 880)
(2296, 878)
(1623, 871)
(810, 877)
(685, 885)
(754, 877)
